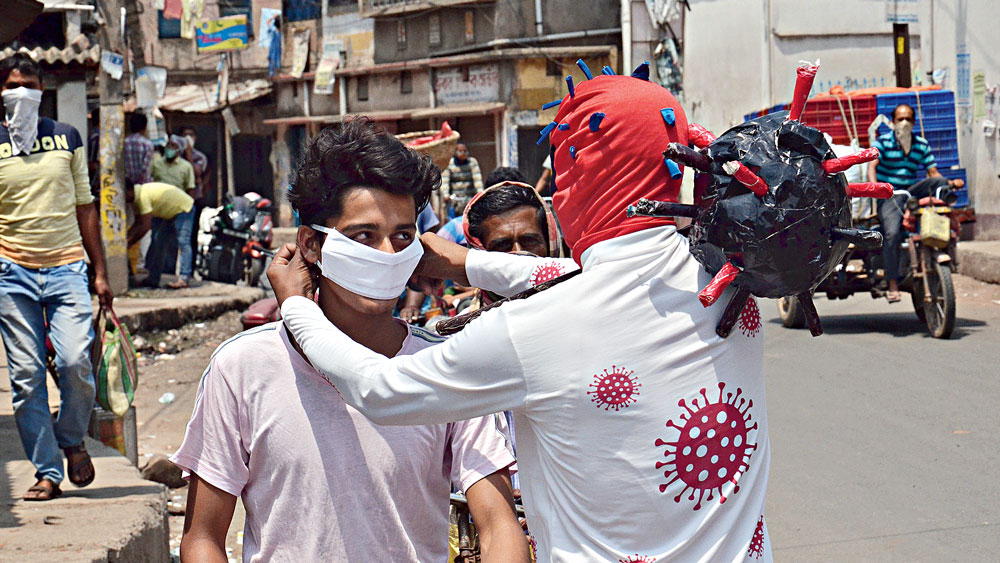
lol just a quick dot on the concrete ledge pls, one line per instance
(118, 518)
(980, 260)
(177, 309)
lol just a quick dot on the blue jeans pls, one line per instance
(27, 298)
(178, 228)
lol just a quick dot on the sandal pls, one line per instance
(892, 296)
(42, 492)
(81, 468)
(179, 283)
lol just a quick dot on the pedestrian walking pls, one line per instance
(48, 225)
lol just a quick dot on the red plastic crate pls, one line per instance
(824, 114)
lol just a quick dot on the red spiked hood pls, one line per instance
(603, 165)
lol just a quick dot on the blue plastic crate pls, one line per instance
(937, 101)
(955, 173)
(963, 198)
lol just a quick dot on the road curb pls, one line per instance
(978, 264)
(143, 315)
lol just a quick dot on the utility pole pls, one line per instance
(112, 165)
(901, 49)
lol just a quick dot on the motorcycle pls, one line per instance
(928, 257)
(234, 241)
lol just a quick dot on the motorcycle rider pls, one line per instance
(902, 158)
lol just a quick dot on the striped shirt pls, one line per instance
(900, 169)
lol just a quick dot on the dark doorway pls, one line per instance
(252, 170)
(530, 155)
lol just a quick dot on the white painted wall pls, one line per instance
(740, 56)
(71, 106)
(976, 23)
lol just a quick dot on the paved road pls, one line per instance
(885, 443)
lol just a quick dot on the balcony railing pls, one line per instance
(375, 8)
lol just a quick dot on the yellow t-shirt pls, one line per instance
(39, 194)
(161, 200)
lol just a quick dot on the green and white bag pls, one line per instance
(116, 373)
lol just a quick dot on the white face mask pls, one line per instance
(904, 133)
(364, 270)
(21, 105)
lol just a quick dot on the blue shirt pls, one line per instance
(453, 230)
(900, 169)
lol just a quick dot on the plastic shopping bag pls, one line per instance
(116, 373)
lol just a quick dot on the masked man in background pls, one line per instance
(906, 162)
(48, 225)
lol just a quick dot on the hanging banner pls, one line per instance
(978, 95)
(113, 64)
(223, 34)
(300, 51)
(329, 62)
(963, 79)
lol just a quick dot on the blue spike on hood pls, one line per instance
(545, 132)
(642, 71)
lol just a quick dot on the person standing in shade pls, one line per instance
(48, 225)
(461, 180)
(138, 150)
(172, 169)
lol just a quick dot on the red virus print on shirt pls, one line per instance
(756, 549)
(750, 318)
(713, 447)
(546, 272)
(615, 389)
(637, 559)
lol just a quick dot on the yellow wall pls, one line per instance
(535, 88)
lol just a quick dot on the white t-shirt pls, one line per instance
(641, 434)
(319, 481)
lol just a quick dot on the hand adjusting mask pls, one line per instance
(364, 270)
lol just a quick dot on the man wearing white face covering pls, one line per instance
(271, 429)
(47, 221)
(904, 158)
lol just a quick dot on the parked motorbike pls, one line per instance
(928, 256)
(234, 241)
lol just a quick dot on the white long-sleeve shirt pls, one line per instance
(641, 433)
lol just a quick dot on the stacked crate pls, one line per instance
(824, 113)
(935, 121)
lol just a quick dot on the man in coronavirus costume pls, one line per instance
(642, 434)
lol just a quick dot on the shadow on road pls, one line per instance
(896, 324)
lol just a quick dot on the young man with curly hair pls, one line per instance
(320, 482)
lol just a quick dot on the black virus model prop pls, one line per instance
(772, 209)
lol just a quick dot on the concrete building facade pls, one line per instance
(485, 67)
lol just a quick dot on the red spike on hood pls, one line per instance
(616, 165)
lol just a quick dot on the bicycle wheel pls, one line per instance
(939, 312)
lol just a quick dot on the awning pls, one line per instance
(18, 14)
(201, 98)
(457, 110)
(53, 55)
